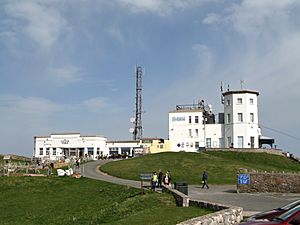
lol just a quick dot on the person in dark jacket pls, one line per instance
(204, 180)
(160, 177)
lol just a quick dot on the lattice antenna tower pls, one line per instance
(138, 131)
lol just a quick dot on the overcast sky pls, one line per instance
(69, 65)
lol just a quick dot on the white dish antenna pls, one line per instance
(131, 130)
(132, 120)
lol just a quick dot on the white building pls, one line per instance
(57, 146)
(193, 127)
(241, 128)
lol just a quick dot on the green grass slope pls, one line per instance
(65, 200)
(222, 167)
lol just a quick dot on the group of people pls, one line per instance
(158, 179)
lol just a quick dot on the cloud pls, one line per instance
(211, 18)
(38, 20)
(29, 106)
(160, 7)
(65, 75)
(254, 16)
(96, 104)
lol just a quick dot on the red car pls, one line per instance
(269, 215)
(291, 217)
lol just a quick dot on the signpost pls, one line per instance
(244, 179)
(144, 177)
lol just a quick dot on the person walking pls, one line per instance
(154, 180)
(167, 179)
(204, 180)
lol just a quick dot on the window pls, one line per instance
(196, 132)
(98, 151)
(228, 102)
(54, 151)
(251, 101)
(197, 145)
(90, 151)
(252, 117)
(47, 151)
(113, 151)
(240, 117)
(252, 142)
(190, 132)
(190, 119)
(228, 118)
(196, 119)
(239, 101)
(41, 151)
(208, 142)
(72, 151)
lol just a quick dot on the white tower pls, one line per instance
(241, 128)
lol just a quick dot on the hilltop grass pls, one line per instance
(57, 200)
(222, 167)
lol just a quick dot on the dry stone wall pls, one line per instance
(272, 182)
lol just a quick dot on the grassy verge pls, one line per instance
(65, 200)
(222, 167)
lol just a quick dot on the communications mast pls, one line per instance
(138, 131)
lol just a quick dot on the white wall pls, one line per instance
(237, 128)
(182, 130)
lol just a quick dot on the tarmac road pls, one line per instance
(224, 194)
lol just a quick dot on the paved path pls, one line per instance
(224, 194)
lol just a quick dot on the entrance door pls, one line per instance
(252, 142)
(240, 141)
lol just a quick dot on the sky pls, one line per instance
(69, 65)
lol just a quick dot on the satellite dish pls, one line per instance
(206, 108)
(132, 120)
(131, 130)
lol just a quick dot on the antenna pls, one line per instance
(138, 131)
(222, 97)
(242, 82)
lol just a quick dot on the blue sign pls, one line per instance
(243, 179)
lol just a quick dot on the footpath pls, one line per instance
(223, 194)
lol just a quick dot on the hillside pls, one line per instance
(222, 167)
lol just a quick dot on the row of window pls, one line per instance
(240, 143)
(196, 119)
(240, 118)
(208, 144)
(71, 151)
(196, 133)
(239, 101)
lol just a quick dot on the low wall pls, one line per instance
(261, 150)
(181, 199)
(272, 182)
(225, 215)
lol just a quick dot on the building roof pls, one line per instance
(240, 92)
(186, 110)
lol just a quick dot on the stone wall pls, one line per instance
(181, 199)
(225, 215)
(255, 150)
(272, 182)
(230, 216)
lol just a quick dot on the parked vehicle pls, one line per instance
(290, 217)
(271, 214)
